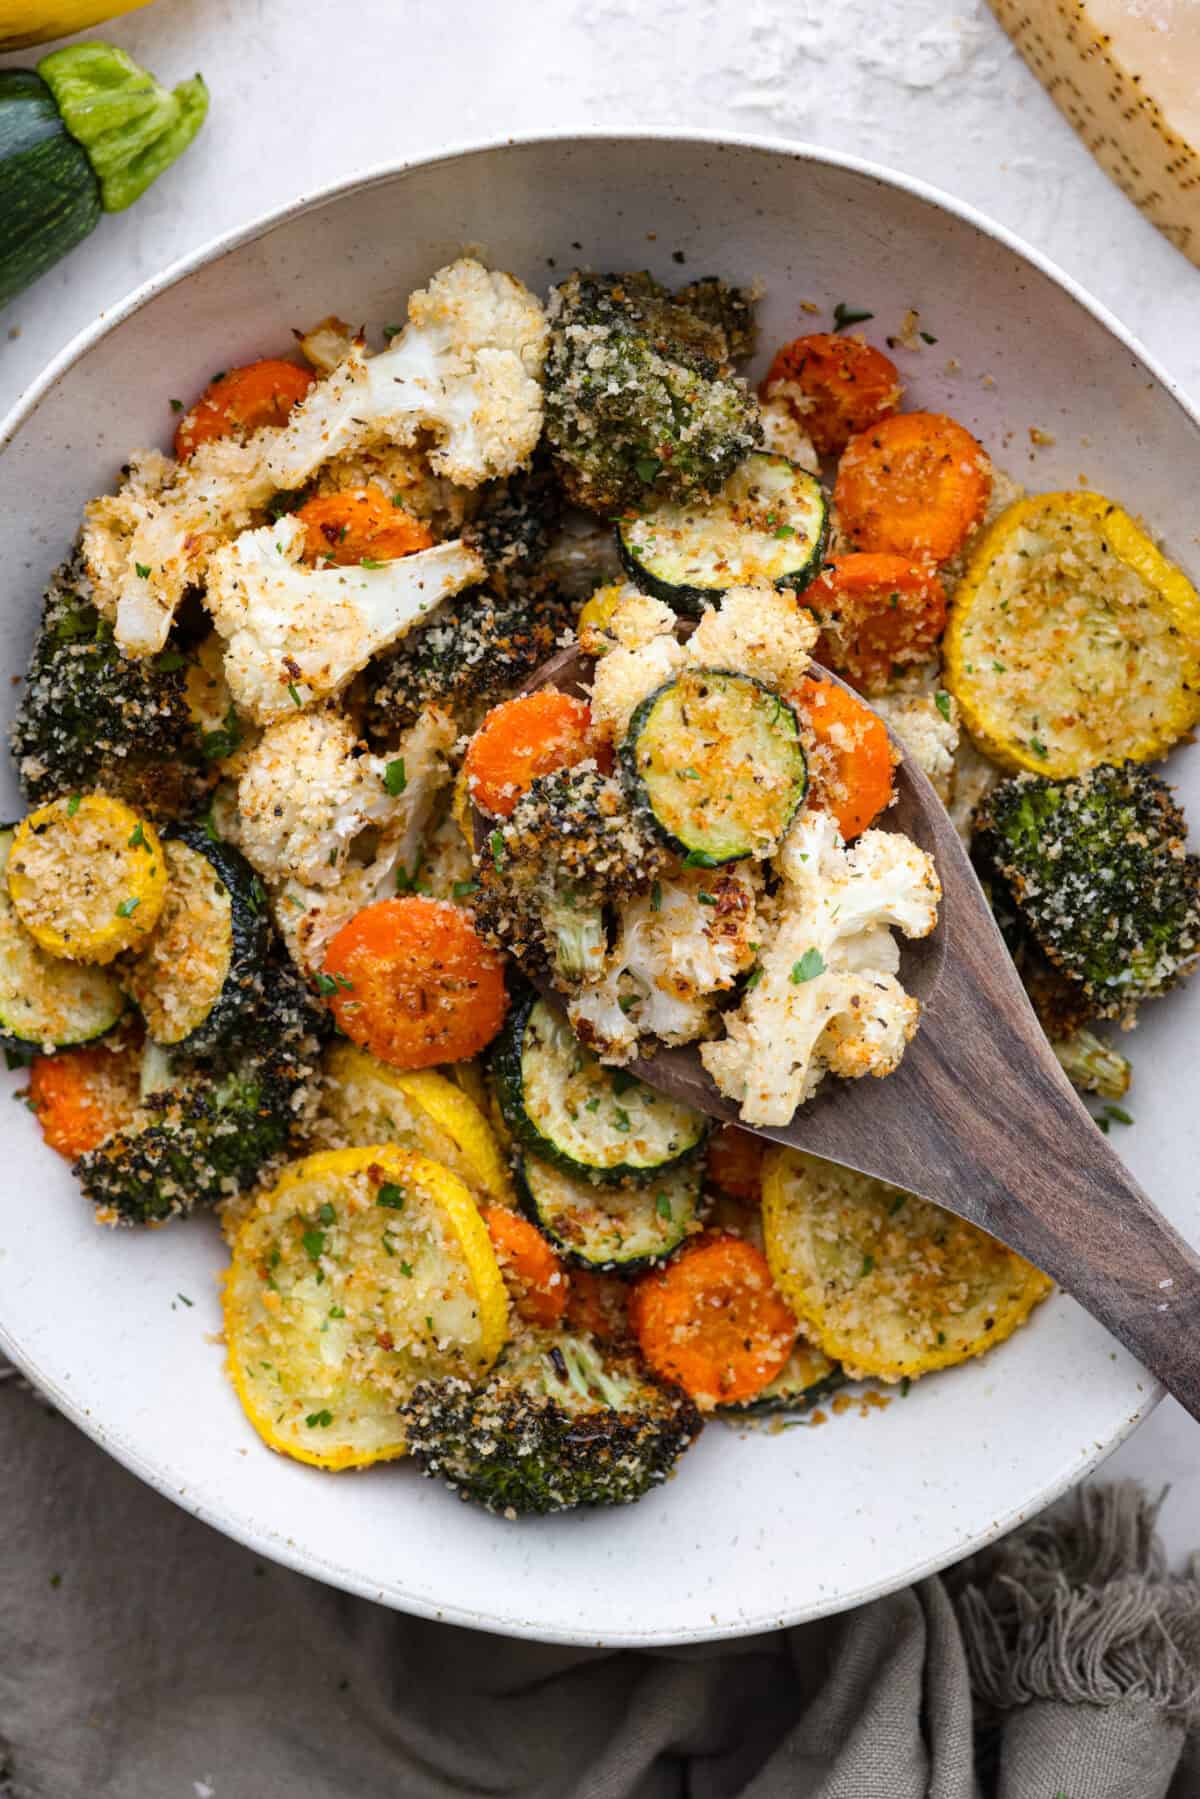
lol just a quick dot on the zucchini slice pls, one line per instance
(769, 522)
(886, 1283)
(44, 1000)
(808, 1377)
(87, 877)
(366, 1101)
(714, 760)
(593, 1122)
(611, 1229)
(199, 975)
(361, 1273)
(1072, 641)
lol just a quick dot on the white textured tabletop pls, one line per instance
(930, 89)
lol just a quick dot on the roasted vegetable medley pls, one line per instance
(321, 922)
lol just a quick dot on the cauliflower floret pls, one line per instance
(928, 733)
(685, 941)
(784, 436)
(464, 370)
(827, 997)
(380, 862)
(758, 631)
(295, 634)
(625, 677)
(308, 790)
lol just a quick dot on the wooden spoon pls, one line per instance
(980, 1117)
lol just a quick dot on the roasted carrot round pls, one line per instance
(714, 1322)
(522, 739)
(81, 1096)
(733, 1162)
(359, 523)
(599, 1303)
(878, 613)
(414, 984)
(916, 484)
(834, 386)
(850, 756)
(536, 1280)
(241, 401)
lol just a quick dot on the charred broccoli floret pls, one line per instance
(1098, 873)
(93, 717)
(729, 308)
(475, 650)
(556, 1424)
(212, 1124)
(516, 523)
(571, 847)
(640, 398)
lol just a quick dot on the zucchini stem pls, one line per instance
(129, 126)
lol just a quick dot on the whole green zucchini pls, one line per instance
(85, 133)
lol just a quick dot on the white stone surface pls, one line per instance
(306, 93)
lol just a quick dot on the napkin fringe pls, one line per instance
(1079, 1607)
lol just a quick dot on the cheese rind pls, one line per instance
(1126, 74)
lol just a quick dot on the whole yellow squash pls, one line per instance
(36, 21)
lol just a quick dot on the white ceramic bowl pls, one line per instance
(757, 1530)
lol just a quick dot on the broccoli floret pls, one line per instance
(209, 1131)
(571, 847)
(476, 650)
(93, 717)
(556, 1424)
(730, 309)
(516, 523)
(640, 400)
(1100, 878)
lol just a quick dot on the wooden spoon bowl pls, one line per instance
(979, 1117)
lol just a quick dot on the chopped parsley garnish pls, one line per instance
(868, 1264)
(294, 694)
(623, 1120)
(391, 1196)
(319, 1420)
(1038, 748)
(461, 889)
(369, 562)
(755, 976)
(927, 337)
(896, 1204)
(326, 1214)
(844, 315)
(706, 899)
(185, 1299)
(128, 907)
(496, 845)
(1118, 1115)
(73, 805)
(314, 1244)
(138, 840)
(406, 1270)
(688, 774)
(941, 700)
(216, 745)
(176, 405)
(142, 570)
(662, 1206)
(656, 897)
(700, 859)
(391, 331)
(394, 777)
(810, 965)
(337, 1311)
(647, 469)
(786, 531)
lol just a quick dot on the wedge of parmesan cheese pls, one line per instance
(1126, 73)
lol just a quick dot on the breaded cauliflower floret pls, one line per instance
(625, 677)
(928, 733)
(464, 372)
(295, 634)
(784, 436)
(678, 946)
(380, 861)
(308, 789)
(827, 997)
(758, 631)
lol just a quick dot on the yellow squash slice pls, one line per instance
(366, 1101)
(1072, 640)
(87, 877)
(362, 1272)
(882, 1281)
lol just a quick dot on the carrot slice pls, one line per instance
(536, 1279)
(414, 984)
(599, 1303)
(81, 1096)
(834, 386)
(878, 612)
(733, 1162)
(916, 485)
(850, 756)
(359, 524)
(522, 739)
(714, 1322)
(241, 401)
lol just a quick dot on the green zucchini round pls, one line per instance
(806, 1379)
(713, 761)
(199, 978)
(49, 194)
(770, 522)
(612, 1229)
(594, 1123)
(46, 1002)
